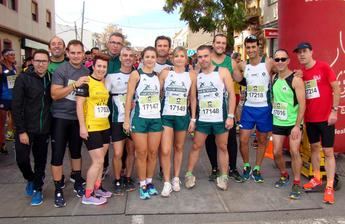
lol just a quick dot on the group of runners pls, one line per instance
(147, 113)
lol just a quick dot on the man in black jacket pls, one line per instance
(31, 112)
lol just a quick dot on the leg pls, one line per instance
(74, 145)
(315, 159)
(199, 141)
(262, 142)
(130, 157)
(180, 137)
(40, 151)
(94, 172)
(23, 159)
(211, 150)
(232, 147)
(166, 143)
(117, 159)
(153, 140)
(329, 166)
(244, 141)
(278, 141)
(223, 156)
(140, 143)
(296, 158)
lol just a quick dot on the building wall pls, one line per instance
(15, 41)
(196, 39)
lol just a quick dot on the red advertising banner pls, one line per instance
(320, 22)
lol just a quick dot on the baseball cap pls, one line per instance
(303, 45)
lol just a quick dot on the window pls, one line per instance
(49, 19)
(34, 11)
(12, 4)
(7, 44)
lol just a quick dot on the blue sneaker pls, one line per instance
(29, 189)
(79, 190)
(152, 189)
(37, 198)
(246, 173)
(256, 175)
(143, 193)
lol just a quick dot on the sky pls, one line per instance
(140, 20)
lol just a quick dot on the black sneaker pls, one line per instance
(129, 184)
(59, 201)
(234, 174)
(3, 149)
(213, 176)
(79, 190)
(118, 188)
(73, 177)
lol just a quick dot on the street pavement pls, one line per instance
(247, 202)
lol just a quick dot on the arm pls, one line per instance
(271, 68)
(238, 69)
(192, 99)
(229, 85)
(58, 91)
(333, 117)
(162, 78)
(17, 109)
(132, 82)
(298, 85)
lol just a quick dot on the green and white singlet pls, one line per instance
(116, 84)
(147, 96)
(210, 89)
(176, 90)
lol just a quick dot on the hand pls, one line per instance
(84, 134)
(126, 128)
(333, 117)
(296, 133)
(191, 127)
(298, 73)
(82, 80)
(229, 123)
(24, 138)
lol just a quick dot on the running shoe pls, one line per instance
(189, 180)
(151, 189)
(256, 175)
(29, 189)
(59, 200)
(93, 200)
(79, 190)
(234, 174)
(101, 192)
(37, 198)
(312, 184)
(167, 189)
(328, 196)
(129, 184)
(295, 192)
(282, 182)
(222, 182)
(213, 175)
(143, 193)
(176, 184)
(247, 170)
(118, 188)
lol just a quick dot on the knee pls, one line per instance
(196, 146)
(222, 147)
(152, 154)
(328, 153)
(117, 155)
(141, 154)
(165, 152)
(178, 148)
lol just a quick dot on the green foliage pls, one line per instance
(211, 15)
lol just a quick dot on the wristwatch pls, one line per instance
(335, 108)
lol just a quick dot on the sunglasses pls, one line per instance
(251, 37)
(280, 59)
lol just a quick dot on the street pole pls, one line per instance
(75, 30)
(82, 22)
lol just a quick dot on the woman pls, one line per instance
(146, 125)
(177, 86)
(93, 112)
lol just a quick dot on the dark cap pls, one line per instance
(7, 51)
(303, 45)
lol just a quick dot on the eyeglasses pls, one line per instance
(280, 59)
(115, 43)
(41, 62)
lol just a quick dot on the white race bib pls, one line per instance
(177, 106)
(280, 110)
(11, 80)
(149, 105)
(102, 111)
(311, 89)
(256, 94)
(210, 110)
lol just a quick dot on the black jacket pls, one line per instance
(31, 103)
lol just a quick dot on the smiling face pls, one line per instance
(219, 45)
(57, 47)
(75, 54)
(100, 68)
(40, 63)
(149, 59)
(281, 60)
(127, 57)
(252, 49)
(180, 59)
(162, 47)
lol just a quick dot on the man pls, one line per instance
(117, 84)
(8, 74)
(257, 108)
(88, 60)
(214, 118)
(237, 57)
(31, 113)
(57, 51)
(219, 58)
(322, 102)
(65, 130)
(288, 110)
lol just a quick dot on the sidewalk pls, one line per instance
(199, 204)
